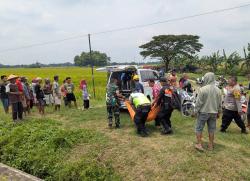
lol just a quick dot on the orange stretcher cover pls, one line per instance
(151, 115)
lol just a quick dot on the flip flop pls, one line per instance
(199, 148)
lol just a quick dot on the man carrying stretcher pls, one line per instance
(142, 107)
(168, 100)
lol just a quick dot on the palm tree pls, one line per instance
(233, 60)
(215, 60)
(246, 61)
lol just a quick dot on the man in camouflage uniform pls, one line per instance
(113, 103)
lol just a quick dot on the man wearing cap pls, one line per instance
(142, 107)
(3, 94)
(14, 98)
(138, 85)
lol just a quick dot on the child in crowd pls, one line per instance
(63, 92)
(56, 93)
(85, 94)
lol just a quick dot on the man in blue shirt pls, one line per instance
(138, 86)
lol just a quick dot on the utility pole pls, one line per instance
(92, 65)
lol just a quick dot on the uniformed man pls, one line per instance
(142, 107)
(233, 106)
(113, 103)
(168, 100)
(138, 85)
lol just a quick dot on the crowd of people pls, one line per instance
(209, 105)
(164, 95)
(22, 96)
(16, 92)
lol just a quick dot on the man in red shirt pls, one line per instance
(155, 91)
(155, 88)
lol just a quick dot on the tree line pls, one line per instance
(180, 52)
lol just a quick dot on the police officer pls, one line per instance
(168, 100)
(113, 103)
(233, 106)
(142, 107)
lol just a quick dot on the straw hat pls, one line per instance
(12, 76)
(38, 78)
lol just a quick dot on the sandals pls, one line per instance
(210, 147)
(199, 147)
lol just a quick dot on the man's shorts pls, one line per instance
(71, 97)
(57, 100)
(48, 99)
(41, 102)
(204, 118)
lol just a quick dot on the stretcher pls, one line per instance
(151, 115)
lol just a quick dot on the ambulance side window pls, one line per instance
(146, 75)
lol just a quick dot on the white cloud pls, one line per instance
(28, 22)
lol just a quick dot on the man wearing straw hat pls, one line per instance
(14, 98)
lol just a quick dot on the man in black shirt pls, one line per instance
(168, 100)
(40, 95)
(3, 94)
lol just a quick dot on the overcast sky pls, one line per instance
(25, 22)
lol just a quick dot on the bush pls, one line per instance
(39, 147)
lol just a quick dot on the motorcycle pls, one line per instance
(187, 103)
(199, 81)
(220, 82)
(243, 101)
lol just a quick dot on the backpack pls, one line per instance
(172, 99)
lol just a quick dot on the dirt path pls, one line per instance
(8, 173)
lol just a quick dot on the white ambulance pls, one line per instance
(124, 75)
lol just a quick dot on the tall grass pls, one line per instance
(41, 147)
